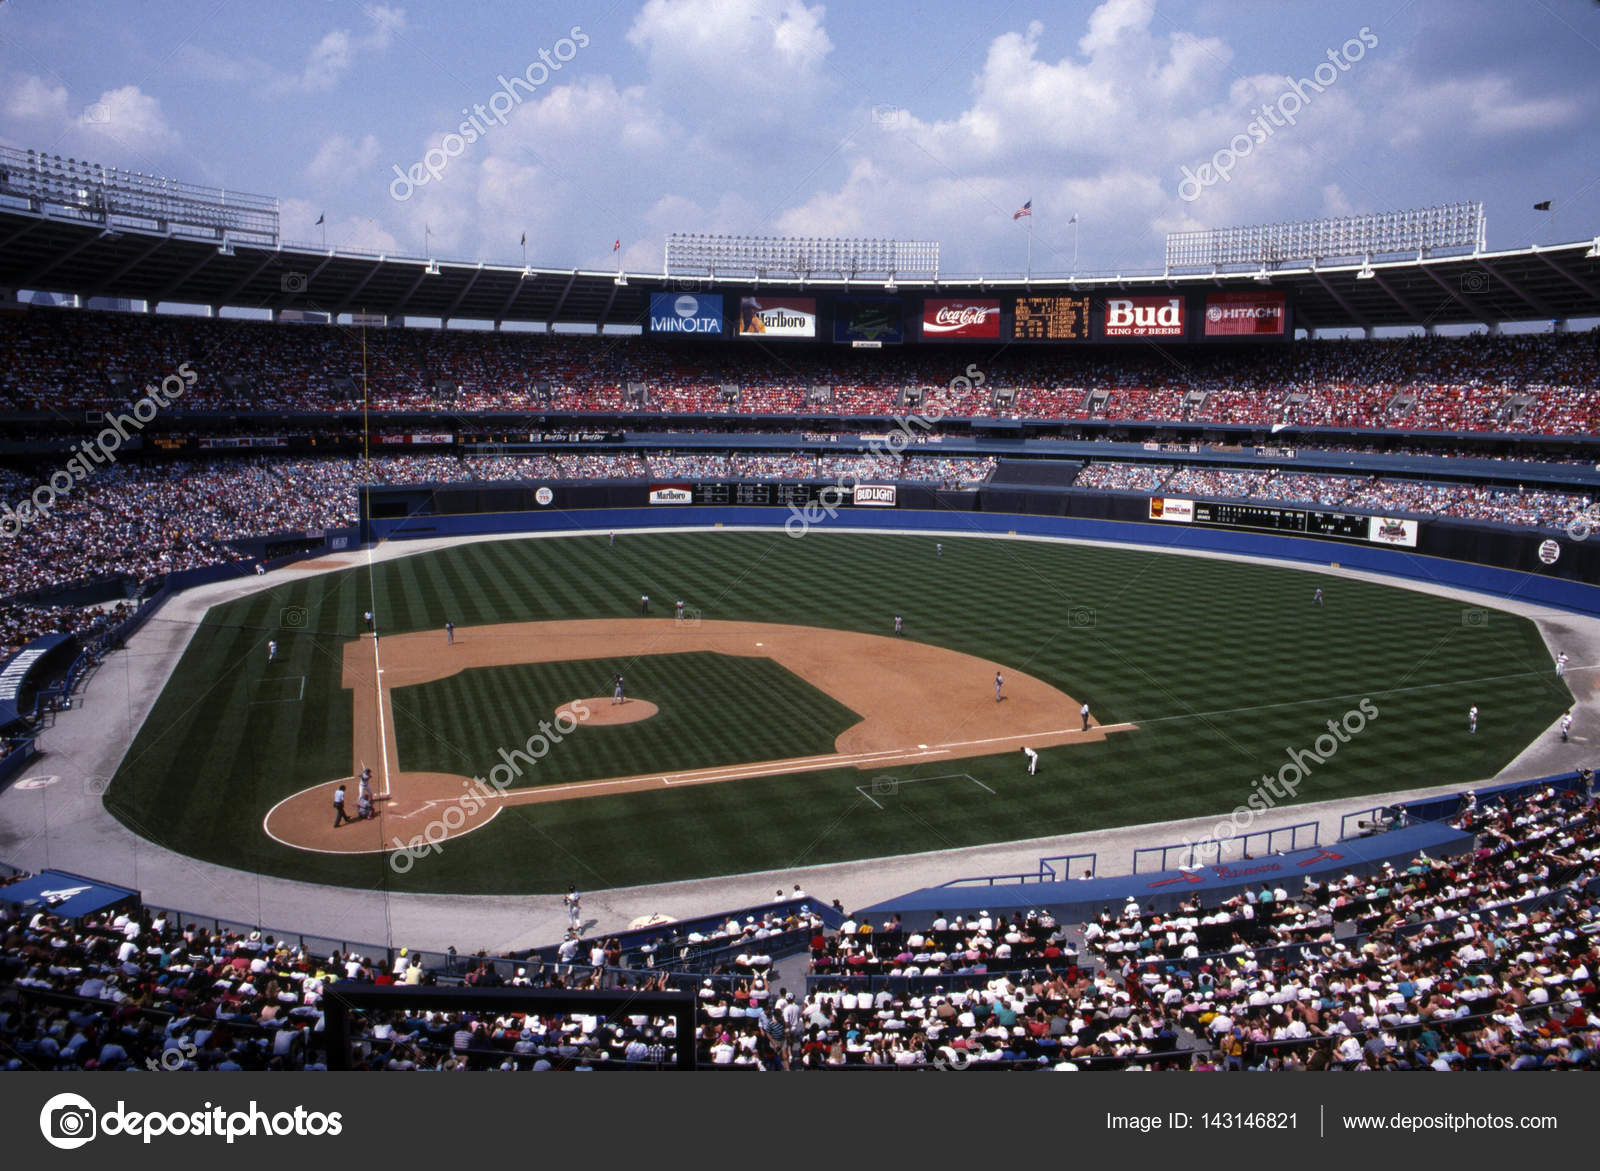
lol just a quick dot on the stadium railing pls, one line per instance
(1301, 835)
(1056, 868)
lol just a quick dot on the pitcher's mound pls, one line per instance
(602, 711)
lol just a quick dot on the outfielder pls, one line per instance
(644, 603)
(1316, 598)
(899, 625)
(1033, 760)
(272, 650)
(1472, 719)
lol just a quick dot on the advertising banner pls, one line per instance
(777, 317)
(1144, 317)
(874, 495)
(1171, 508)
(698, 313)
(1386, 530)
(960, 320)
(1245, 314)
(671, 494)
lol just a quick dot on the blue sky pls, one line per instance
(777, 117)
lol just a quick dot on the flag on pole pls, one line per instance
(616, 246)
(1543, 206)
(1025, 209)
(1074, 218)
(320, 218)
(524, 239)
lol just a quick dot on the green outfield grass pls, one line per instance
(1224, 665)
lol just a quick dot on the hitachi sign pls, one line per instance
(1124, 313)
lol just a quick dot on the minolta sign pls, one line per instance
(685, 312)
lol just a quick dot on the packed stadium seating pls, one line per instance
(1542, 383)
(1483, 962)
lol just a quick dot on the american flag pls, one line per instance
(1025, 209)
(616, 245)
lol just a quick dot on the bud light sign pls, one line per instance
(686, 313)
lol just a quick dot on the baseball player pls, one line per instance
(899, 625)
(1316, 598)
(938, 548)
(1561, 664)
(644, 603)
(1033, 760)
(450, 634)
(364, 805)
(367, 618)
(272, 650)
(999, 682)
(339, 815)
(613, 539)
(366, 784)
(1084, 712)
(1472, 719)
(616, 695)
(574, 907)
(678, 609)
(1566, 726)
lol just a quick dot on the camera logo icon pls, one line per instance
(293, 617)
(68, 1121)
(97, 113)
(292, 282)
(1082, 618)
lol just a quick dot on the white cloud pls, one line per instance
(123, 123)
(339, 162)
(760, 49)
(333, 56)
(298, 222)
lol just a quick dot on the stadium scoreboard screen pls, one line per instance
(758, 494)
(1350, 526)
(1051, 319)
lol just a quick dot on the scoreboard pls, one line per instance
(1051, 319)
(1312, 523)
(759, 494)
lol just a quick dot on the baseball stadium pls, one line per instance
(798, 627)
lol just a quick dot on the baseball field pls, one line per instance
(779, 722)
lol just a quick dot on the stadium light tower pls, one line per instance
(802, 257)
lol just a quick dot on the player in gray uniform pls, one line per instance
(616, 696)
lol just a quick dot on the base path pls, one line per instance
(918, 704)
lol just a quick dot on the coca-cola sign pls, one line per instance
(1143, 317)
(960, 319)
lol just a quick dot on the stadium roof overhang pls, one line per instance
(50, 251)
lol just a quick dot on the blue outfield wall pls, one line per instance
(1579, 597)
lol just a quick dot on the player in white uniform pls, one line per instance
(1033, 760)
(999, 682)
(1561, 664)
(272, 651)
(1472, 719)
(1566, 726)
(574, 907)
(1316, 598)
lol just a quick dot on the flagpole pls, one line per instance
(1030, 245)
(1074, 244)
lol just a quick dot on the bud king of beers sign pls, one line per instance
(1246, 314)
(1143, 317)
(960, 319)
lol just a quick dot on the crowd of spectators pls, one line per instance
(1117, 477)
(75, 360)
(1483, 961)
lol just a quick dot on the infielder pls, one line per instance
(1033, 760)
(1566, 726)
(450, 634)
(1472, 719)
(1084, 712)
(678, 606)
(644, 603)
(272, 650)
(1561, 664)
(616, 695)
(899, 625)
(999, 682)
